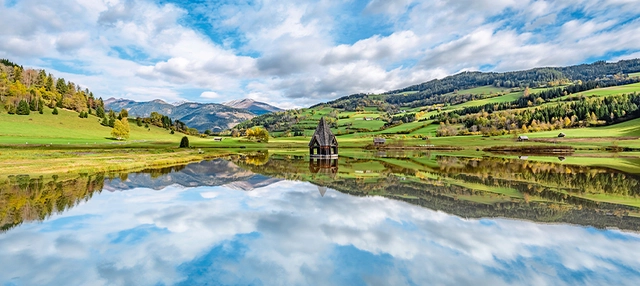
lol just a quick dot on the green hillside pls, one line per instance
(68, 128)
(374, 121)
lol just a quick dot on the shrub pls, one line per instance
(55, 111)
(184, 143)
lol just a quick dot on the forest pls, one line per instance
(35, 88)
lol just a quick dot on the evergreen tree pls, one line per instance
(61, 86)
(100, 111)
(23, 108)
(55, 111)
(105, 121)
(184, 143)
(33, 105)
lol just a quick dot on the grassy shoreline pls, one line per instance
(49, 162)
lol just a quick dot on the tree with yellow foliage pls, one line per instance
(258, 133)
(120, 129)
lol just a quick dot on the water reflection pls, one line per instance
(389, 221)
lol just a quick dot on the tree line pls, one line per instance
(579, 113)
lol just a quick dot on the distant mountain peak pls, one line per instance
(111, 100)
(237, 102)
(159, 101)
(178, 103)
(252, 105)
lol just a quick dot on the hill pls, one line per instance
(67, 128)
(474, 103)
(255, 107)
(201, 116)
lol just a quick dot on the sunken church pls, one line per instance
(323, 143)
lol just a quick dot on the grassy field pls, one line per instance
(629, 128)
(637, 74)
(498, 99)
(613, 90)
(68, 128)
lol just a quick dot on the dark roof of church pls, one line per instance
(323, 134)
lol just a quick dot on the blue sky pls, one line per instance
(297, 53)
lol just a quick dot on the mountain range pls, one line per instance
(217, 172)
(202, 116)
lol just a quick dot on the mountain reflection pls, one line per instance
(466, 187)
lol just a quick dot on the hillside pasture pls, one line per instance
(67, 128)
(498, 99)
(613, 90)
(487, 89)
(629, 128)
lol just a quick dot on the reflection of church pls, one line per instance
(322, 190)
(323, 166)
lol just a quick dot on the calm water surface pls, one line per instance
(255, 221)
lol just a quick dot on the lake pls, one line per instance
(380, 219)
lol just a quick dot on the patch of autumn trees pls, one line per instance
(34, 88)
(580, 113)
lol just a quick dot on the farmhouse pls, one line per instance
(323, 143)
(523, 138)
(219, 139)
(561, 135)
(379, 141)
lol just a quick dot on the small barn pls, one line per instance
(323, 143)
(219, 139)
(523, 138)
(561, 135)
(379, 141)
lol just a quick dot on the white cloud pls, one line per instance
(210, 95)
(292, 53)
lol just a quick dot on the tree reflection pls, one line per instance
(477, 187)
(23, 198)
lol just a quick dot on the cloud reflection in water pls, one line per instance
(286, 233)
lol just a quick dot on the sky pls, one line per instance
(288, 234)
(295, 53)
